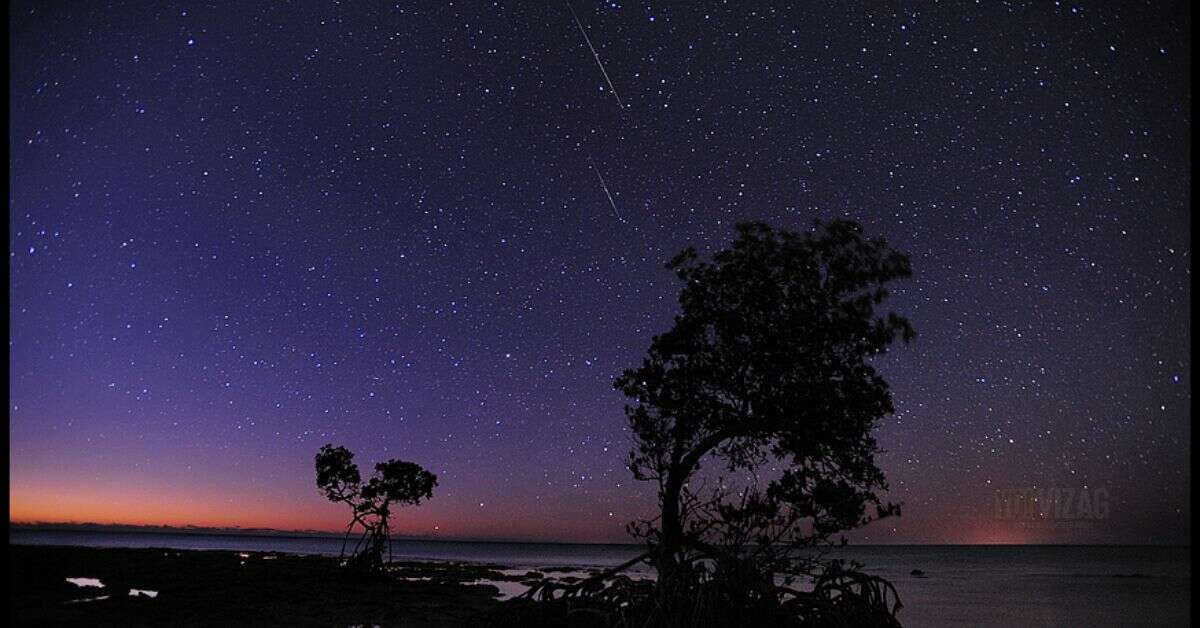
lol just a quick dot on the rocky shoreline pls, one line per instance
(163, 586)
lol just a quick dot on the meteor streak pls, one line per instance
(604, 186)
(597, 56)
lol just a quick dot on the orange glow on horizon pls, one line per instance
(130, 512)
(165, 507)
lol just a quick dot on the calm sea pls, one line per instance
(1031, 585)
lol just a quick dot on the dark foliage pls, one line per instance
(394, 482)
(766, 372)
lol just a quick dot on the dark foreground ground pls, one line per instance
(227, 588)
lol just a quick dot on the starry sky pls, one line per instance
(436, 231)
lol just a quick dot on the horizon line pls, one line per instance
(276, 532)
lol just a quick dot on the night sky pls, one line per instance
(239, 232)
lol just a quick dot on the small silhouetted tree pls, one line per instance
(395, 482)
(765, 374)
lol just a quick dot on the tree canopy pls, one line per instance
(394, 482)
(767, 371)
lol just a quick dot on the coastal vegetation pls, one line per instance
(396, 482)
(753, 417)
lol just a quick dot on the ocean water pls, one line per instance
(997, 585)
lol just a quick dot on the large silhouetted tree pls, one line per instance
(766, 376)
(395, 482)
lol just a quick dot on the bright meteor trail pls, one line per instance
(604, 186)
(598, 62)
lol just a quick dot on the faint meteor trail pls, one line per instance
(604, 186)
(597, 56)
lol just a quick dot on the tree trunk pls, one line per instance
(667, 559)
